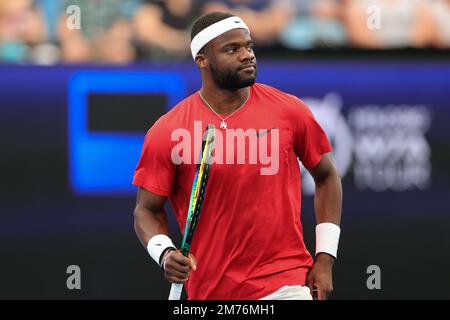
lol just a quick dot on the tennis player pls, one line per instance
(249, 239)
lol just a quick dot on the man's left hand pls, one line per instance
(320, 277)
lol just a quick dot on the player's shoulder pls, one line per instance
(177, 115)
(284, 100)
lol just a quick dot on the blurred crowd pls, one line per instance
(122, 31)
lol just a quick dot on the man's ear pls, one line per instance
(201, 60)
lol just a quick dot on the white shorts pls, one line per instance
(295, 292)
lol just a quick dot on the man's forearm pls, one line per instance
(148, 223)
(328, 199)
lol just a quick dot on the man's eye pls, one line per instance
(231, 50)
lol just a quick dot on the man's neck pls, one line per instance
(224, 101)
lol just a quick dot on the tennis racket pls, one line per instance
(196, 201)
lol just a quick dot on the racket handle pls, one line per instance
(175, 291)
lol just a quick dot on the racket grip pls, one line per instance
(175, 291)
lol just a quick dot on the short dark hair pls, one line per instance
(207, 20)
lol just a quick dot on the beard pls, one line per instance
(231, 79)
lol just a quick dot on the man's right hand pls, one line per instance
(177, 267)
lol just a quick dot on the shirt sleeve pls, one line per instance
(311, 140)
(155, 170)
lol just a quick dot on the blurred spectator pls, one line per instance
(265, 18)
(51, 11)
(21, 27)
(441, 14)
(122, 31)
(48, 52)
(163, 28)
(105, 35)
(318, 24)
(404, 23)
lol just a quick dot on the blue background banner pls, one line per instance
(66, 196)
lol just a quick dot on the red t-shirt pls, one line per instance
(249, 239)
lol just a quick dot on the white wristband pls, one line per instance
(157, 244)
(327, 238)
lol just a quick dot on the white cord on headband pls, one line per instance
(215, 30)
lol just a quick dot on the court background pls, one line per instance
(395, 212)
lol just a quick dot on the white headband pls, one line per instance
(215, 30)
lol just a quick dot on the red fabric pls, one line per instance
(249, 239)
